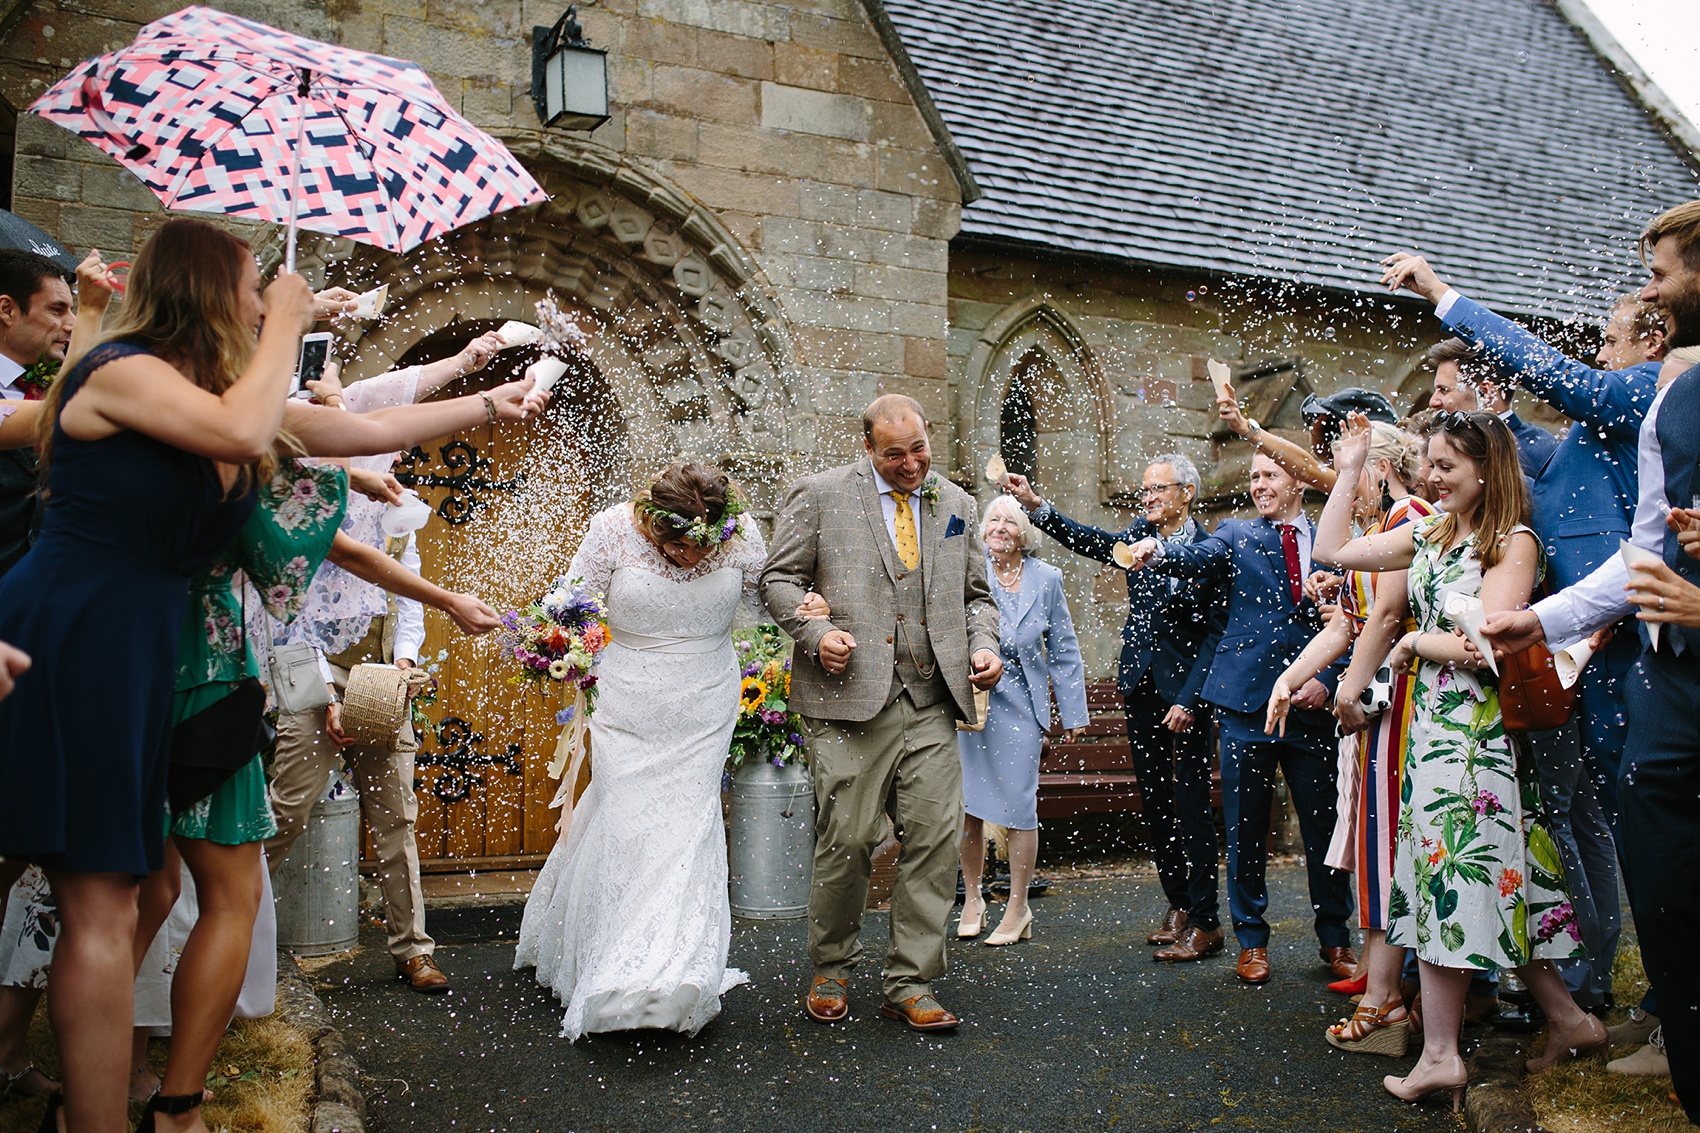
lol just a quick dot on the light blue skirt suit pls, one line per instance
(1000, 766)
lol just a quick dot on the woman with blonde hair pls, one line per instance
(1375, 612)
(1000, 764)
(1477, 881)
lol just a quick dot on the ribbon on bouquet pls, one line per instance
(568, 760)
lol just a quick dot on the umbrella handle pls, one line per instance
(295, 173)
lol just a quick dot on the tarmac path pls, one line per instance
(1076, 1029)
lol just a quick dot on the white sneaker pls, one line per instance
(1634, 1030)
(1648, 1062)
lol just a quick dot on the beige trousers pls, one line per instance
(384, 777)
(902, 763)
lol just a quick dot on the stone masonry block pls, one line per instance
(939, 219)
(661, 137)
(840, 348)
(50, 178)
(813, 112)
(899, 124)
(113, 186)
(849, 312)
(783, 154)
(853, 36)
(784, 234)
(835, 204)
(902, 284)
(82, 227)
(704, 94)
(486, 103)
(740, 17)
(799, 66)
(891, 212)
(495, 19)
(874, 78)
(42, 213)
(740, 55)
(916, 173)
(450, 54)
(40, 137)
(818, 273)
(660, 42)
(728, 188)
(925, 358)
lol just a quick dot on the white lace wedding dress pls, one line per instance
(629, 922)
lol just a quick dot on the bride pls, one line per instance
(629, 922)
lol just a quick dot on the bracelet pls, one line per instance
(1254, 428)
(489, 405)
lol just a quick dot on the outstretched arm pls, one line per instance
(332, 432)
(1081, 538)
(371, 564)
(1295, 458)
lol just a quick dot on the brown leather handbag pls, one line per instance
(1531, 697)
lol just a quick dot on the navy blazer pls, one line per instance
(1584, 499)
(1266, 629)
(1171, 629)
(1534, 444)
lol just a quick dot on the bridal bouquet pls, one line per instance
(767, 729)
(556, 640)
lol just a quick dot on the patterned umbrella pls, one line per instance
(219, 114)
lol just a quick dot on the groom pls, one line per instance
(896, 553)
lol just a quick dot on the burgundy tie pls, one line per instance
(1290, 548)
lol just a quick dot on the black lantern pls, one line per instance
(569, 78)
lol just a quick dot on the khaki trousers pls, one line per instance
(902, 763)
(384, 777)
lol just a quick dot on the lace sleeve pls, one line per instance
(598, 554)
(750, 556)
(398, 387)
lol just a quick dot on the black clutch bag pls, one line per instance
(217, 742)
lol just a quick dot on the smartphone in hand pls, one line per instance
(310, 367)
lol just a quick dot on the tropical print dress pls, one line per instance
(1477, 881)
(279, 549)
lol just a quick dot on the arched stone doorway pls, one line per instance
(688, 357)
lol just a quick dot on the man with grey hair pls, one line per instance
(1172, 629)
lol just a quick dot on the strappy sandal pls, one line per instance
(1370, 1031)
(10, 1086)
(172, 1105)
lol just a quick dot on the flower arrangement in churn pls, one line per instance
(556, 640)
(767, 730)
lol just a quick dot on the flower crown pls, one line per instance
(700, 531)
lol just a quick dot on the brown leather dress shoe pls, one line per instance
(1342, 961)
(921, 1013)
(1254, 965)
(827, 1002)
(422, 974)
(1171, 930)
(1194, 944)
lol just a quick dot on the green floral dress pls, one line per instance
(1477, 881)
(279, 549)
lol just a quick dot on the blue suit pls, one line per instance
(1170, 636)
(1534, 444)
(1266, 630)
(1584, 498)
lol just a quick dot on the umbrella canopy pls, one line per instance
(16, 232)
(213, 113)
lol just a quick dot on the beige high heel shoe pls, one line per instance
(969, 929)
(1450, 1076)
(1584, 1040)
(1020, 932)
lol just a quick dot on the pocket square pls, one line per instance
(954, 527)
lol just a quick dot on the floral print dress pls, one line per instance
(1477, 881)
(279, 549)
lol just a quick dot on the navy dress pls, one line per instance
(98, 604)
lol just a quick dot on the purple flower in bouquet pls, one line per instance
(729, 529)
(796, 740)
(772, 716)
(752, 670)
(564, 716)
(779, 761)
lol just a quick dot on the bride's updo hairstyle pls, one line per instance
(690, 501)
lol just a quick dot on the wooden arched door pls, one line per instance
(511, 505)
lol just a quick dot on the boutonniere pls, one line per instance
(35, 380)
(930, 492)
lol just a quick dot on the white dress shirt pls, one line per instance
(409, 615)
(1598, 600)
(888, 508)
(10, 372)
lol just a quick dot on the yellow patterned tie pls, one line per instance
(908, 547)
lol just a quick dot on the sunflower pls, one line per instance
(753, 694)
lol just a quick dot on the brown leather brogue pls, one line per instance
(1194, 944)
(827, 1002)
(1254, 965)
(920, 1013)
(422, 975)
(1342, 961)
(1171, 930)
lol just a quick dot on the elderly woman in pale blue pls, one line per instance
(1000, 765)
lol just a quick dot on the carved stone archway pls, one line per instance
(689, 336)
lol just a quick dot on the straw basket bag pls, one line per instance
(374, 703)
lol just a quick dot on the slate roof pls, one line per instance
(1302, 139)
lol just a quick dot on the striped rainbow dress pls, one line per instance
(1381, 746)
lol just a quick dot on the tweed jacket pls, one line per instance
(830, 537)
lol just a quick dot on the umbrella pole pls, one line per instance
(295, 173)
